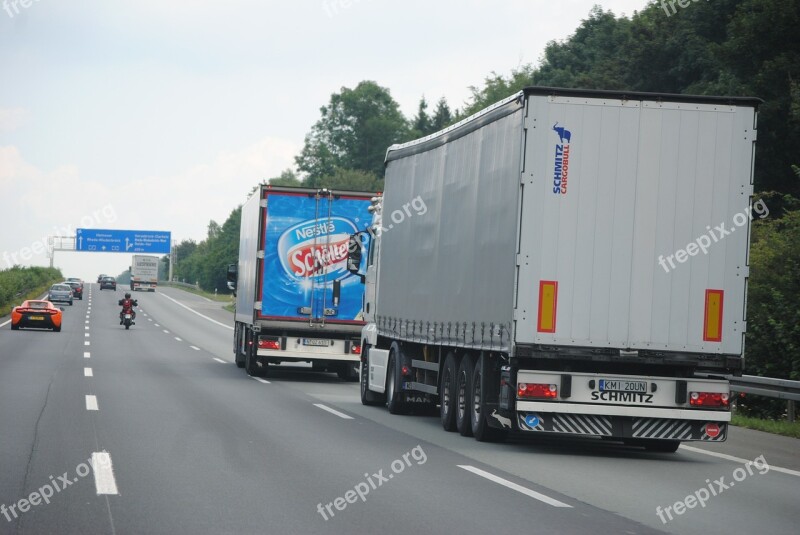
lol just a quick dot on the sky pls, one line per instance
(163, 115)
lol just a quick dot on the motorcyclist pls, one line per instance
(127, 305)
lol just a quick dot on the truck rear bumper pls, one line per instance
(623, 422)
(307, 356)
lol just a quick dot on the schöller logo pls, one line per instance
(561, 167)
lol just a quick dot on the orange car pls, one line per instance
(34, 313)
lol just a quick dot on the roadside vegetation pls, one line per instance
(18, 284)
(777, 427)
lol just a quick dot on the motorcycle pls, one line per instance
(127, 315)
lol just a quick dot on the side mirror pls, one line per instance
(61, 309)
(233, 273)
(354, 254)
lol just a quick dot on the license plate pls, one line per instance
(621, 385)
(316, 342)
(127, 316)
(36, 318)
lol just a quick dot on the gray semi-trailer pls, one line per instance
(549, 287)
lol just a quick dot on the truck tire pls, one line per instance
(348, 372)
(464, 396)
(238, 355)
(368, 397)
(393, 402)
(480, 426)
(447, 389)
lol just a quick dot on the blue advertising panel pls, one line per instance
(305, 251)
(122, 241)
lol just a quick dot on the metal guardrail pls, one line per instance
(766, 386)
(769, 387)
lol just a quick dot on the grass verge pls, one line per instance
(5, 310)
(221, 298)
(787, 429)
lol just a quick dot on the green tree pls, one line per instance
(422, 121)
(349, 179)
(354, 131)
(286, 178)
(442, 116)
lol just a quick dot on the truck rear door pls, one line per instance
(612, 191)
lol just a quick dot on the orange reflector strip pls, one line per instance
(712, 321)
(548, 299)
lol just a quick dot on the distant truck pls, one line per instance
(295, 299)
(144, 273)
(548, 286)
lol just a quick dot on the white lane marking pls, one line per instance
(87, 321)
(178, 339)
(103, 470)
(87, 342)
(333, 411)
(513, 486)
(86, 335)
(195, 348)
(739, 460)
(5, 323)
(91, 403)
(166, 331)
(260, 380)
(87, 372)
(195, 312)
(145, 315)
(86, 354)
(157, 325)
(86, 327)
(148, 319)
(220, 360)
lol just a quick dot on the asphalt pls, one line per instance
(199, 447)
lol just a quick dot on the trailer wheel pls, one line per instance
(368, 397)
(447, 393)
(239, 356)
(464, 395)
(348, 372)
(393, 402)
(480, 427)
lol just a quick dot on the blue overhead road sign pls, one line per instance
(122, 241)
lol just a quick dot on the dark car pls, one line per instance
(101, 277)
(77, 288)
(108, 283)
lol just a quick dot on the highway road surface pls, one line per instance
(155, 430)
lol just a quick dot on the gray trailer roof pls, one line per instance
(514, 102)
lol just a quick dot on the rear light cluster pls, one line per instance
(537, 390)
(269, 343)
(355, 349)
(709, 399)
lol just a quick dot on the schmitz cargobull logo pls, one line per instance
(315, 249)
